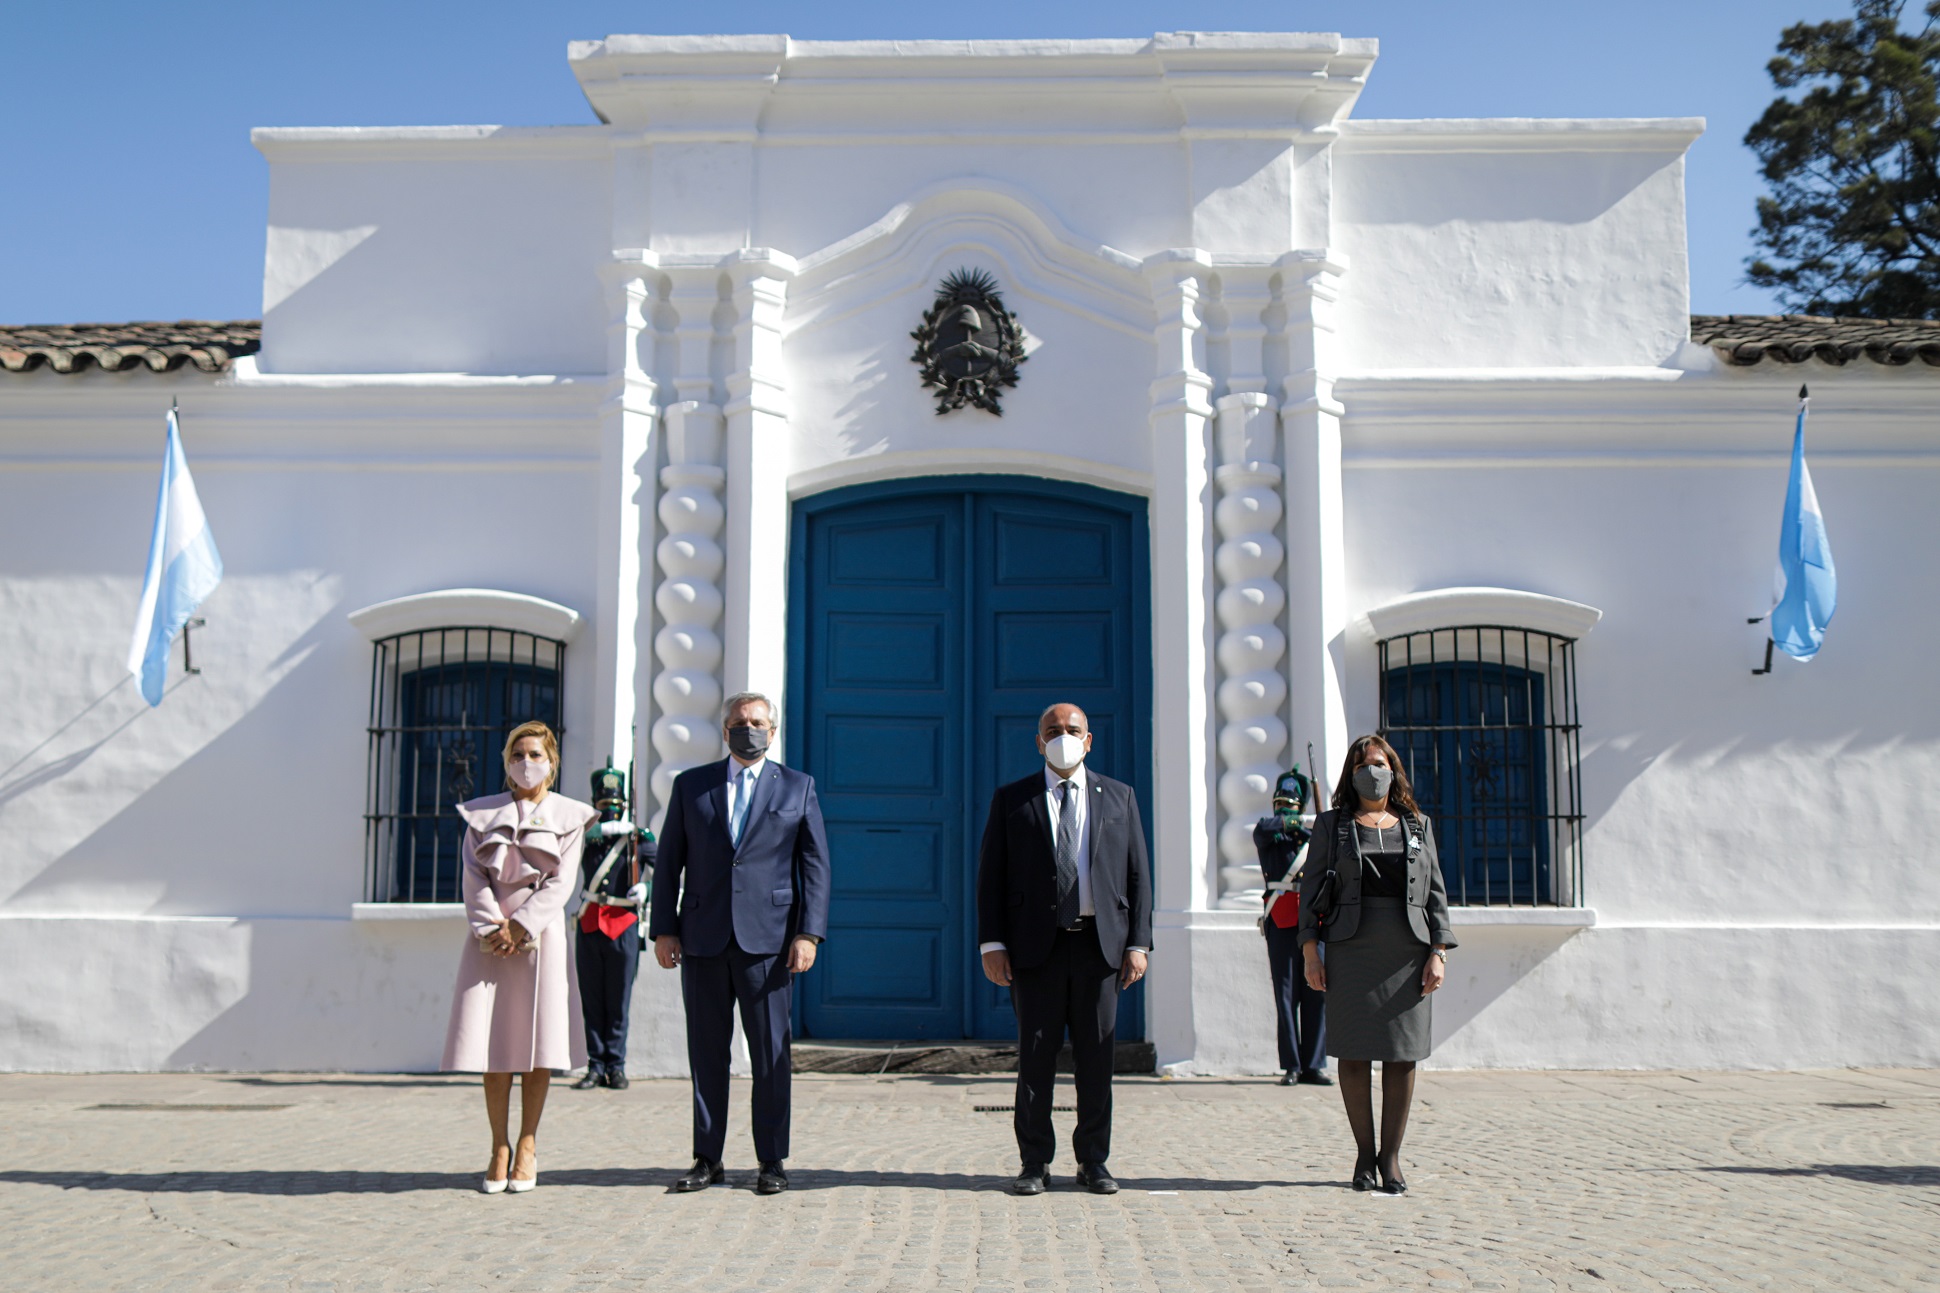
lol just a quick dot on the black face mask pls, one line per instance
(748, 742)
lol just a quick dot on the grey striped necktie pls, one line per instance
(1067, 854)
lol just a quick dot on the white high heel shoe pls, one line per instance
(516, 1186)
(487, 1185)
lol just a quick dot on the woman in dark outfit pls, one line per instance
(1387, 933)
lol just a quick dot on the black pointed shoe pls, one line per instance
(770, 1179)
(1392, 1181)
(701, 1175)
(587, 1083)
(1034, 1179)
(1096, 1178)
(1364, 1179)
(616, 1079)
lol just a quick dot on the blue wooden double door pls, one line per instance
(931, 622)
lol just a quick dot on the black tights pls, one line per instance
(1397, 1094)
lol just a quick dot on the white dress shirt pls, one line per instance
(1077, 804)
(742, 781)
(1080, 803)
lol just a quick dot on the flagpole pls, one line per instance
(188, 649)
(1805, 396)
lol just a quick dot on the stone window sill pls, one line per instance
(1572, 917)
(407, 911)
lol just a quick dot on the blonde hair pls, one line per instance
(546, 739)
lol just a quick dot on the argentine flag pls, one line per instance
(183, 568)
(1805, 587)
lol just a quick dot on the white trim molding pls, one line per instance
(448, 607)
(1442, 608)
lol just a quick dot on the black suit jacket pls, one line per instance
(1017, 874)
(771, 887)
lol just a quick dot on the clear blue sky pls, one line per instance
(130, 190)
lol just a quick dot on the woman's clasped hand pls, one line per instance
(508, 938)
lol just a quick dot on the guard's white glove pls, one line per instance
(610, 830)
(639, 894)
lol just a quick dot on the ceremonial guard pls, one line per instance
(613, 872)
(1299, 1011)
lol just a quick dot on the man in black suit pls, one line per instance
(1064, 920)
(745, 835)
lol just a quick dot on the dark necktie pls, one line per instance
(1067, 854)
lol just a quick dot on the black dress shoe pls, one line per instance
(1391, 1182)
(770, 1179)
(1313, 1077)
(1287, 1078)
(587, 1083)
(1094, 1177)
(616, 1078)
(1364, 1173)
(701, 1175)
(1034, 1179)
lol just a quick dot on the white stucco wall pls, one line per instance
(197, 831)
(474, 250)
(1512, 244)
(1462, 347)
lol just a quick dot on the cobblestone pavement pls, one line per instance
(1580, 1181)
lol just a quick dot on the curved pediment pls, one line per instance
(1442, 608)
(469, 608)
(1043, 258)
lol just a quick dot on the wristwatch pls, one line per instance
(1439, 951)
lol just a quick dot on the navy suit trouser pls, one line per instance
(607, 967)
(1299, 1013)
(710, 988)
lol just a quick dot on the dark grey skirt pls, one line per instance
(1375, 1007)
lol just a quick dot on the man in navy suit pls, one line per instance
(1064, 920)
(746, 837)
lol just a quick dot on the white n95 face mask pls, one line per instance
(1064, 751)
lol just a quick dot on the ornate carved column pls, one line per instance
(757, 476)
(1310, 419)
(688, 645)
(1252, 692)
(1181, 420)
(626, 498)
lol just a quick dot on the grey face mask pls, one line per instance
(1371, 782)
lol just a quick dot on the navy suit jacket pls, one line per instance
(762, 894)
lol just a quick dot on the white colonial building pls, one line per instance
(1321, 426)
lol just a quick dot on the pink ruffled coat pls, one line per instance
(512, 1014)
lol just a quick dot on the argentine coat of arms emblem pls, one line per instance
(969, 346)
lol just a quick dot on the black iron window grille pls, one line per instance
(442, 703)
(1484, 719)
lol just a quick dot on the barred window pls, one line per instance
(442, 703)
(1484, 719)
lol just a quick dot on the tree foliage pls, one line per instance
(1852, 223)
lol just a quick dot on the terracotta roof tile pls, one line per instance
(1739, 339)
(121, 347)
(1746, 339)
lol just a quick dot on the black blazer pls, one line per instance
(1017, 873)
(770, 888)
(1427, 892)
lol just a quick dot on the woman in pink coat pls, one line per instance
(516, 1008)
